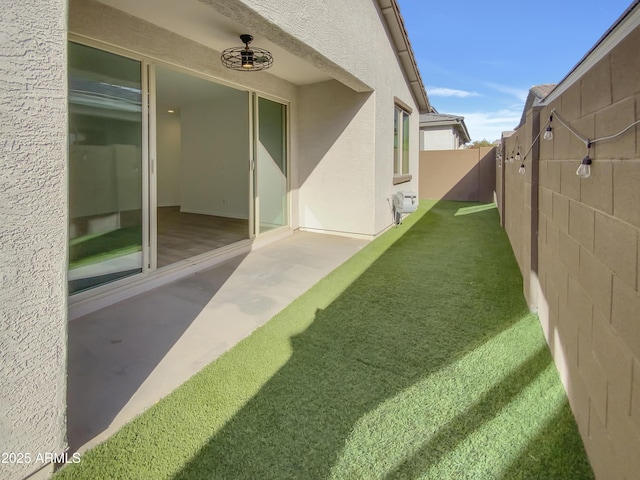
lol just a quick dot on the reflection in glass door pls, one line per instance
(271, 166)
(105, 167)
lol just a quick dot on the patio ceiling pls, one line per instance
(203, 24)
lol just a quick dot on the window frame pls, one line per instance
(401, 142)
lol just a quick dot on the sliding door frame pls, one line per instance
(145, 130)
(286, 130)
(152, 178)
(101, 294)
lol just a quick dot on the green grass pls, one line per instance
(417, 358)
(95, 248)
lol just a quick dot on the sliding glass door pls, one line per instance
(271, 179)
(164, 166)
(201, 151)
(105, 167)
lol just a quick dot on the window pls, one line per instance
(401, 142)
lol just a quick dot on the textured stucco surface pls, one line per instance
(346, 189)
(353, 36)
(336, 162)
(33, 219)
(438, 138)
(100, 22)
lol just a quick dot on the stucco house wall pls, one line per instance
(439, 138)
(341, 151)
(344, 198)
(33, 232)
(584, 277)
(336, 174)
(356, 200)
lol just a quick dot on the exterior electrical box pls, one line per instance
(405, 202)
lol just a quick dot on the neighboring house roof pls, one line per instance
(536, 94)
(442, 119)
(400, 38)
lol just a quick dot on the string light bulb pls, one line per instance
(548, 133)
(584, 170)
(518, 157)
(511, 159)
(521, 170)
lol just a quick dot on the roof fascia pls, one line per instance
(400, 39)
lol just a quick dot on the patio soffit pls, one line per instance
(218, 24)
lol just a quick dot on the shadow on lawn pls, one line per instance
(406, 317)
(491, 404)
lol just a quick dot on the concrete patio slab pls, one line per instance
(124, 358)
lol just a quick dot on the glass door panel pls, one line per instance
(271, 166)
(105, 167)
(202, 147)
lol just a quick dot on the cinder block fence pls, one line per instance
(577, 240)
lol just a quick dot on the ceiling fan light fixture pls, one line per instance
(246, 59)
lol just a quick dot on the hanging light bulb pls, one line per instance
(511, 159)
(584, 170)
(521, 170)
(548, 134)
(518, 157)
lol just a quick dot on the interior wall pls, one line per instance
(169, 152)
(215, 156)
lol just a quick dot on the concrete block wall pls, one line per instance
(588, 260)
(517, 202)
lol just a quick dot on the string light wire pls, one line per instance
(587, 142)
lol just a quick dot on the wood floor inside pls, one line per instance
(183, 235)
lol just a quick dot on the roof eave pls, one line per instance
(391, 13)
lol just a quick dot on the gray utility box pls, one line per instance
(405, 202)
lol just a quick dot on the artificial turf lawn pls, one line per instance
(417, 358)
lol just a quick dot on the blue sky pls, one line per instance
(479, 58)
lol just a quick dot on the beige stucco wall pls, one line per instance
(589, 259)
(458, 174)
(358, 43)
(336, 167)
(33, 231)
(438, 138)
(358, 158)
